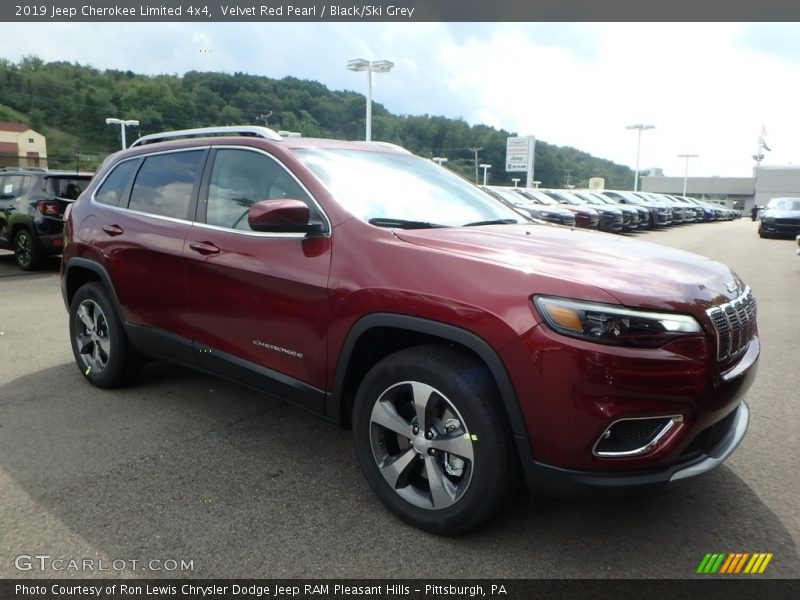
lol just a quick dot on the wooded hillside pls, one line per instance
(69, 104)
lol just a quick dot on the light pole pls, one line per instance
(640, 128)
(485, 168)
(686, 168)
(439, 160)
(375, 66)
(122, 123)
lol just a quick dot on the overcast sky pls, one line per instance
(708, 88)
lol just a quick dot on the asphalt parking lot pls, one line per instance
(184, 467)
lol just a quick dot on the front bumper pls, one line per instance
(581, 389)
(612, 223)
(781, 227)
(566, 483)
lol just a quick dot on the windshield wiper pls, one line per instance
(491, 222)
(403, 223)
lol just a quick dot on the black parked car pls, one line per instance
(32, 204)
(780, 217)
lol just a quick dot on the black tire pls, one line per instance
(761, 233)
(469, 450)
(27, 252)
(101, 349)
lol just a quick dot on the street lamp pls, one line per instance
(122, 123)
(439, 160)
(686, 168)
(375, 66)
(640, 128)
(485, 168)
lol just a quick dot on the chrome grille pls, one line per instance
(735, 323)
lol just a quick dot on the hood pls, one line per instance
(580, 209)
(556, 210)
(636, 273)
(779, 213)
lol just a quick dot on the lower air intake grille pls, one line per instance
(707, 439)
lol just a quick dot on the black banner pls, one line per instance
(738, 588)
(400, 10)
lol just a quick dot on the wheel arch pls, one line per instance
(80, 271)
(396, 332)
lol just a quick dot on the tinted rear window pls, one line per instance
(67, 187)
(165, 182)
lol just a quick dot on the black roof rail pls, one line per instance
(32, 169)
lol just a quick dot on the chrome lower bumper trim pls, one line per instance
(722, 450)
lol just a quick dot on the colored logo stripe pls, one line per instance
(733, 563)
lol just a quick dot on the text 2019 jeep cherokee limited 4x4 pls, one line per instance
(469, 350)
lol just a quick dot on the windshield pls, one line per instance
(392, 189)
(539, 198)
(510, 196)
(785, 203)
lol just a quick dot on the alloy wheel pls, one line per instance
(421, 445)
(92, 336)
(23, 249)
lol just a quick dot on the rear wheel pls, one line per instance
(431, 440)
(26, 251)
(99, 344)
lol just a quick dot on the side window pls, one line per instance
(164, 184)
(241, 177)
(11, 187)
(63, 187)
(112, 189)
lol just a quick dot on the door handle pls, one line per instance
(204, 248)
(113, 230)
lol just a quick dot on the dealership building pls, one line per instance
(735, 192)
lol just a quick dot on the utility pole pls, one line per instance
(264, 117)
(475, 150)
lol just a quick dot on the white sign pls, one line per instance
(517, 150)
(597, 183)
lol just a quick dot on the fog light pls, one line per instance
(634, 437)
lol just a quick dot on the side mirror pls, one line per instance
(282, 216)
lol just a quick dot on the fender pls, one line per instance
(474, 343)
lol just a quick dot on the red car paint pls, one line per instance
(292, 305)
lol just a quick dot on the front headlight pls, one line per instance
(613, 325)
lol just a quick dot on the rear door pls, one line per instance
(140, 228)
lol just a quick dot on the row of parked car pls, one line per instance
(609, 210)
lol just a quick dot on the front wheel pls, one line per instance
(431, 439)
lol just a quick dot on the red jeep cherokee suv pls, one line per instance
(467, 348)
